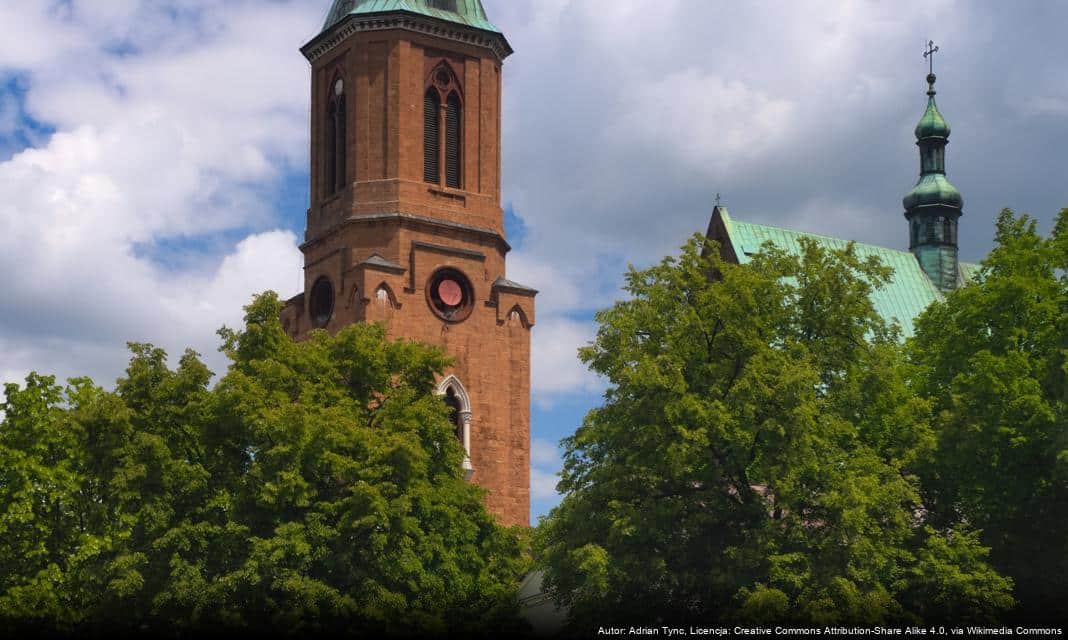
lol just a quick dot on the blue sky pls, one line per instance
(153, 154)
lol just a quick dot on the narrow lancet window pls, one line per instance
(453, 119)
(459, 404)
(335, 148)
(443, 128)
(453, 403)
(431, 136)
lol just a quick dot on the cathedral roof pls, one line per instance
(466, 12)
(907, 294)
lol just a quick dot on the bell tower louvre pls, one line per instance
(405, 225)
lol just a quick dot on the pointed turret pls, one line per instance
(934, 206)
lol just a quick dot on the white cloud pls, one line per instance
(557, 292)
(545, 465)
(543, 484)
(9, 114)
(35, 35)
(706, 120)
(544, 453)
(175, 141)
(555, 367)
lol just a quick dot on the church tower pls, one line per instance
(933, 207)
(405, 224)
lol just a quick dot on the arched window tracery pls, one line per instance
(453, 112)
(431, 136)
(334, 133)
(443, 128)
(459, 404)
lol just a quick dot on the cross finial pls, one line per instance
(717, 198)
(929, 54)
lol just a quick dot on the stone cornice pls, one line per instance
(450, 251)
(328, 40)
(409, 218)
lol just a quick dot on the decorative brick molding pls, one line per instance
(351, 25)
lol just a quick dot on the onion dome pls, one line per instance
(932, 136)
(933, 189)
(932, 124)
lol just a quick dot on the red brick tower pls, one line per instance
(405, 225)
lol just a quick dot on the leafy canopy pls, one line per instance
(316, 487)
(756, 457)
(993, 358)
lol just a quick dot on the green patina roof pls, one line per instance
(932, 124)
(908, 293)
(932, 134)
(468, 12)
(968, 271)
(933, 189)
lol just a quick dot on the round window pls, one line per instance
(450, 294)
(322, 302)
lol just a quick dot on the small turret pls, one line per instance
(934, 206)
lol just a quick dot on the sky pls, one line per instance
(154, 155)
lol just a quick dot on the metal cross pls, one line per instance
(929, 53)
(717, 198)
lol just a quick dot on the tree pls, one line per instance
(992, 359)
(316, 488)
(755, 458)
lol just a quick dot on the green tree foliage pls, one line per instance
(316, 488)
(992, 358)
(756, 457)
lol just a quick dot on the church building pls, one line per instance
(405, 225)
(933, 208)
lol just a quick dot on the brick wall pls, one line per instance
(387, 210)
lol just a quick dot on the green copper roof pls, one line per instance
(933, 189)
(907, 294)
(968, 271)
(932, 124)
(465, 12)
(932, 136)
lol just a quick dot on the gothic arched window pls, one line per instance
(443, 128)
(322, 302)
(453, 403)
(335, 148)
(453, 113)
(431, 136)
(459, 404)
